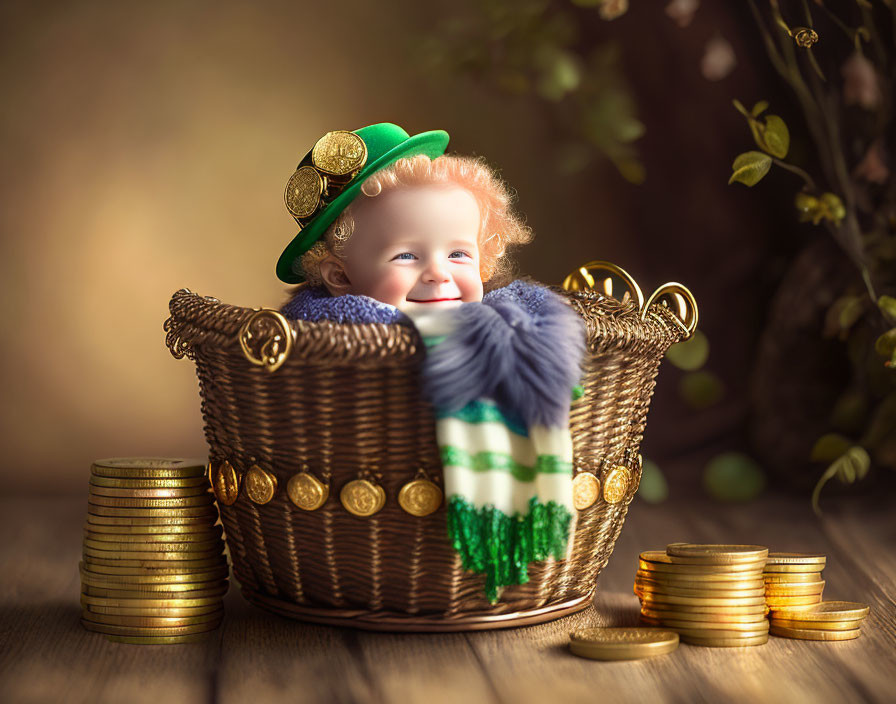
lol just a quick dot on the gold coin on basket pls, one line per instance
(148, 468)
(827, 611)
(306, 491)
(814, 634)
(715, 554)
(226, 483)
(616, 484)
(622, 643)
(260, 485)
(361, 497)
(420, 497)
(585, 490)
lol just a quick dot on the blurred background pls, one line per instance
(147, 148)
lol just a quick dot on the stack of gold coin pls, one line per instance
(622, 643)
(828, 620)
(793, 579)
(711, 595)
(154, 569)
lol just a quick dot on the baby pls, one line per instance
(421, 233)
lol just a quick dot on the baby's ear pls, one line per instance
(332, 272)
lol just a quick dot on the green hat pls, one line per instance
(329, 177)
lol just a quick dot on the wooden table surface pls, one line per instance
(257, 657)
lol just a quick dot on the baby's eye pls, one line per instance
(404, 255)
(459, 254)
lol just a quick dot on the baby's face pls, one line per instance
(416, 247)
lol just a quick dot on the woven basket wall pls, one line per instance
(346, 402)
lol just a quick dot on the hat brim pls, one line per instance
(431, 144)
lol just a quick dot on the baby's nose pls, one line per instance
(436, 272)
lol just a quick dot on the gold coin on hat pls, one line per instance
(585, 490)
(260, 485)
(717, 554)
(226, 483)
(845, 625)
(715, 642)
(303, 191)
(148, 468)
(622, 643)
(339, 153)
(616, 484)
(152, 621)
(306, 491)
(118, 483)
(827, 611)
(814, 634)
(420, 497)
(138, 631)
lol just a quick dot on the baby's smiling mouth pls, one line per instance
(432, 300)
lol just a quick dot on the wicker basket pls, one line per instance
(342, 402)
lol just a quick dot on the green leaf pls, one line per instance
(887, 304)
(829, 447)
(740, 108)
(732, 476)
(885, 345)
(691, 354)
(653, 487)
(750, 167)
(851, 311)
(701, 389)
(759, 108)
(850, 466)
(776, 136)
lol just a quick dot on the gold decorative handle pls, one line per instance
(672, 295)
(266, 339)
(680, 301)
(585, 278)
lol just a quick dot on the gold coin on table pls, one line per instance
(688, 616)
(420, 497)
(148, 468)
(137, 571)
(167, 518)
(116, 483)
(207, 513)
(622, 643)
(149, 603)
(215, 544)
(176, 578)
(785, 568)
(733, 566)
(149, 612)
(307, 491)
(138, 631)
(815, 560)
(201, 536)
(260, 485)
(616, 484)
(723, 633)
(655, 587)
(156, 591)
(159, 640)
(827, 611)
(685, 626)
(687, 583)
(656, 561)
(795, 589)
(703, 601)
(716, 610)
(735, 580)
(181, 565)
(361, 497)
(183, 493)
(152, 621)
(778, 603)
(791, 577)
(158, 556)
(192, 597)
(175, 529)
(585, 490)
(717, 554)
(726, 642)
(203, 500)
(845, 625)
(226, 483)
(814, 634)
